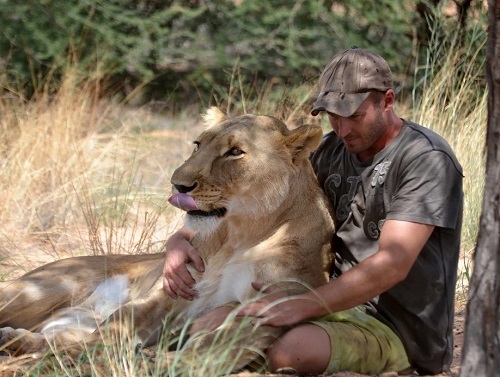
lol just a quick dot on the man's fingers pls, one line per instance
(182, 289)
(168, 289)
(183, 278)
(254, 309)
(211, 320)
(261, 313)
(258, 286)
(196, 259)
(263, 288)
(180, 284)
(177, 278)
(257, 322)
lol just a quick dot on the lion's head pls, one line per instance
(241, 166)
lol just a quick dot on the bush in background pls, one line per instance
(183, 51)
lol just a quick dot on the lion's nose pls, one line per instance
(184, 189)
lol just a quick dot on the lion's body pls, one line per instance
(259, 215)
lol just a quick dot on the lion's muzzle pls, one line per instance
(187, 203)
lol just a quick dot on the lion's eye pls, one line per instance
(234, 152)
(196, 145)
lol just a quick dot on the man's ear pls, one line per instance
(213, 116)
(302, 141)
(389, 99)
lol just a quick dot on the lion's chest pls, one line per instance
(223, 283)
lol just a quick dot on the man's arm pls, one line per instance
(176, 278)
(399, 245)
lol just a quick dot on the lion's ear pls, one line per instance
(213, 116)
(302, 141)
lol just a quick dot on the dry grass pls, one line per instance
(454, 104)
(83, 175)
(80, 175)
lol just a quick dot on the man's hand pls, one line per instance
(276, 308)
(211, 320)
(177, 281)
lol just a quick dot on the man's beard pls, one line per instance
(375, 131)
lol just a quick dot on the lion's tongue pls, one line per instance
(183, 201)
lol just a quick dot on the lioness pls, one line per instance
(252, 199)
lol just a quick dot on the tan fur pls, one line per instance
(277, 227)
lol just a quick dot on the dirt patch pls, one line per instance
(458, 339)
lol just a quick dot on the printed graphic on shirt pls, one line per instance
(374, 229)
(341, 194)
(374, 226)
(379, 173)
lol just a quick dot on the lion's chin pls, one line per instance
(203, 224)
(218, 212)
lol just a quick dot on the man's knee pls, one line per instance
(305, 348)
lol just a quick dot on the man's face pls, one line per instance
(362, 132)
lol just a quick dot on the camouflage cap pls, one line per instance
(348, 80)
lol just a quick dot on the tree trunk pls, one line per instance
(481, 353)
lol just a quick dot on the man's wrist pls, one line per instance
(313, 306)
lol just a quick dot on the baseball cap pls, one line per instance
(348, 80)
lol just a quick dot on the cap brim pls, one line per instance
(343, 104)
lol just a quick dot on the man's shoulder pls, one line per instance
(422, 141)
(426, 137)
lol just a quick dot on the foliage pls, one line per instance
(191, 47)
(459, 50)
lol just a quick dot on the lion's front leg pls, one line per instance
(139, 321)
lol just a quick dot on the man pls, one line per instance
(396, 189)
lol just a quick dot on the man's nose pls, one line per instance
(344, 127)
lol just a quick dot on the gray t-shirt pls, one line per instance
(415, 178)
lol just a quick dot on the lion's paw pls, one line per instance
(21, 341)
